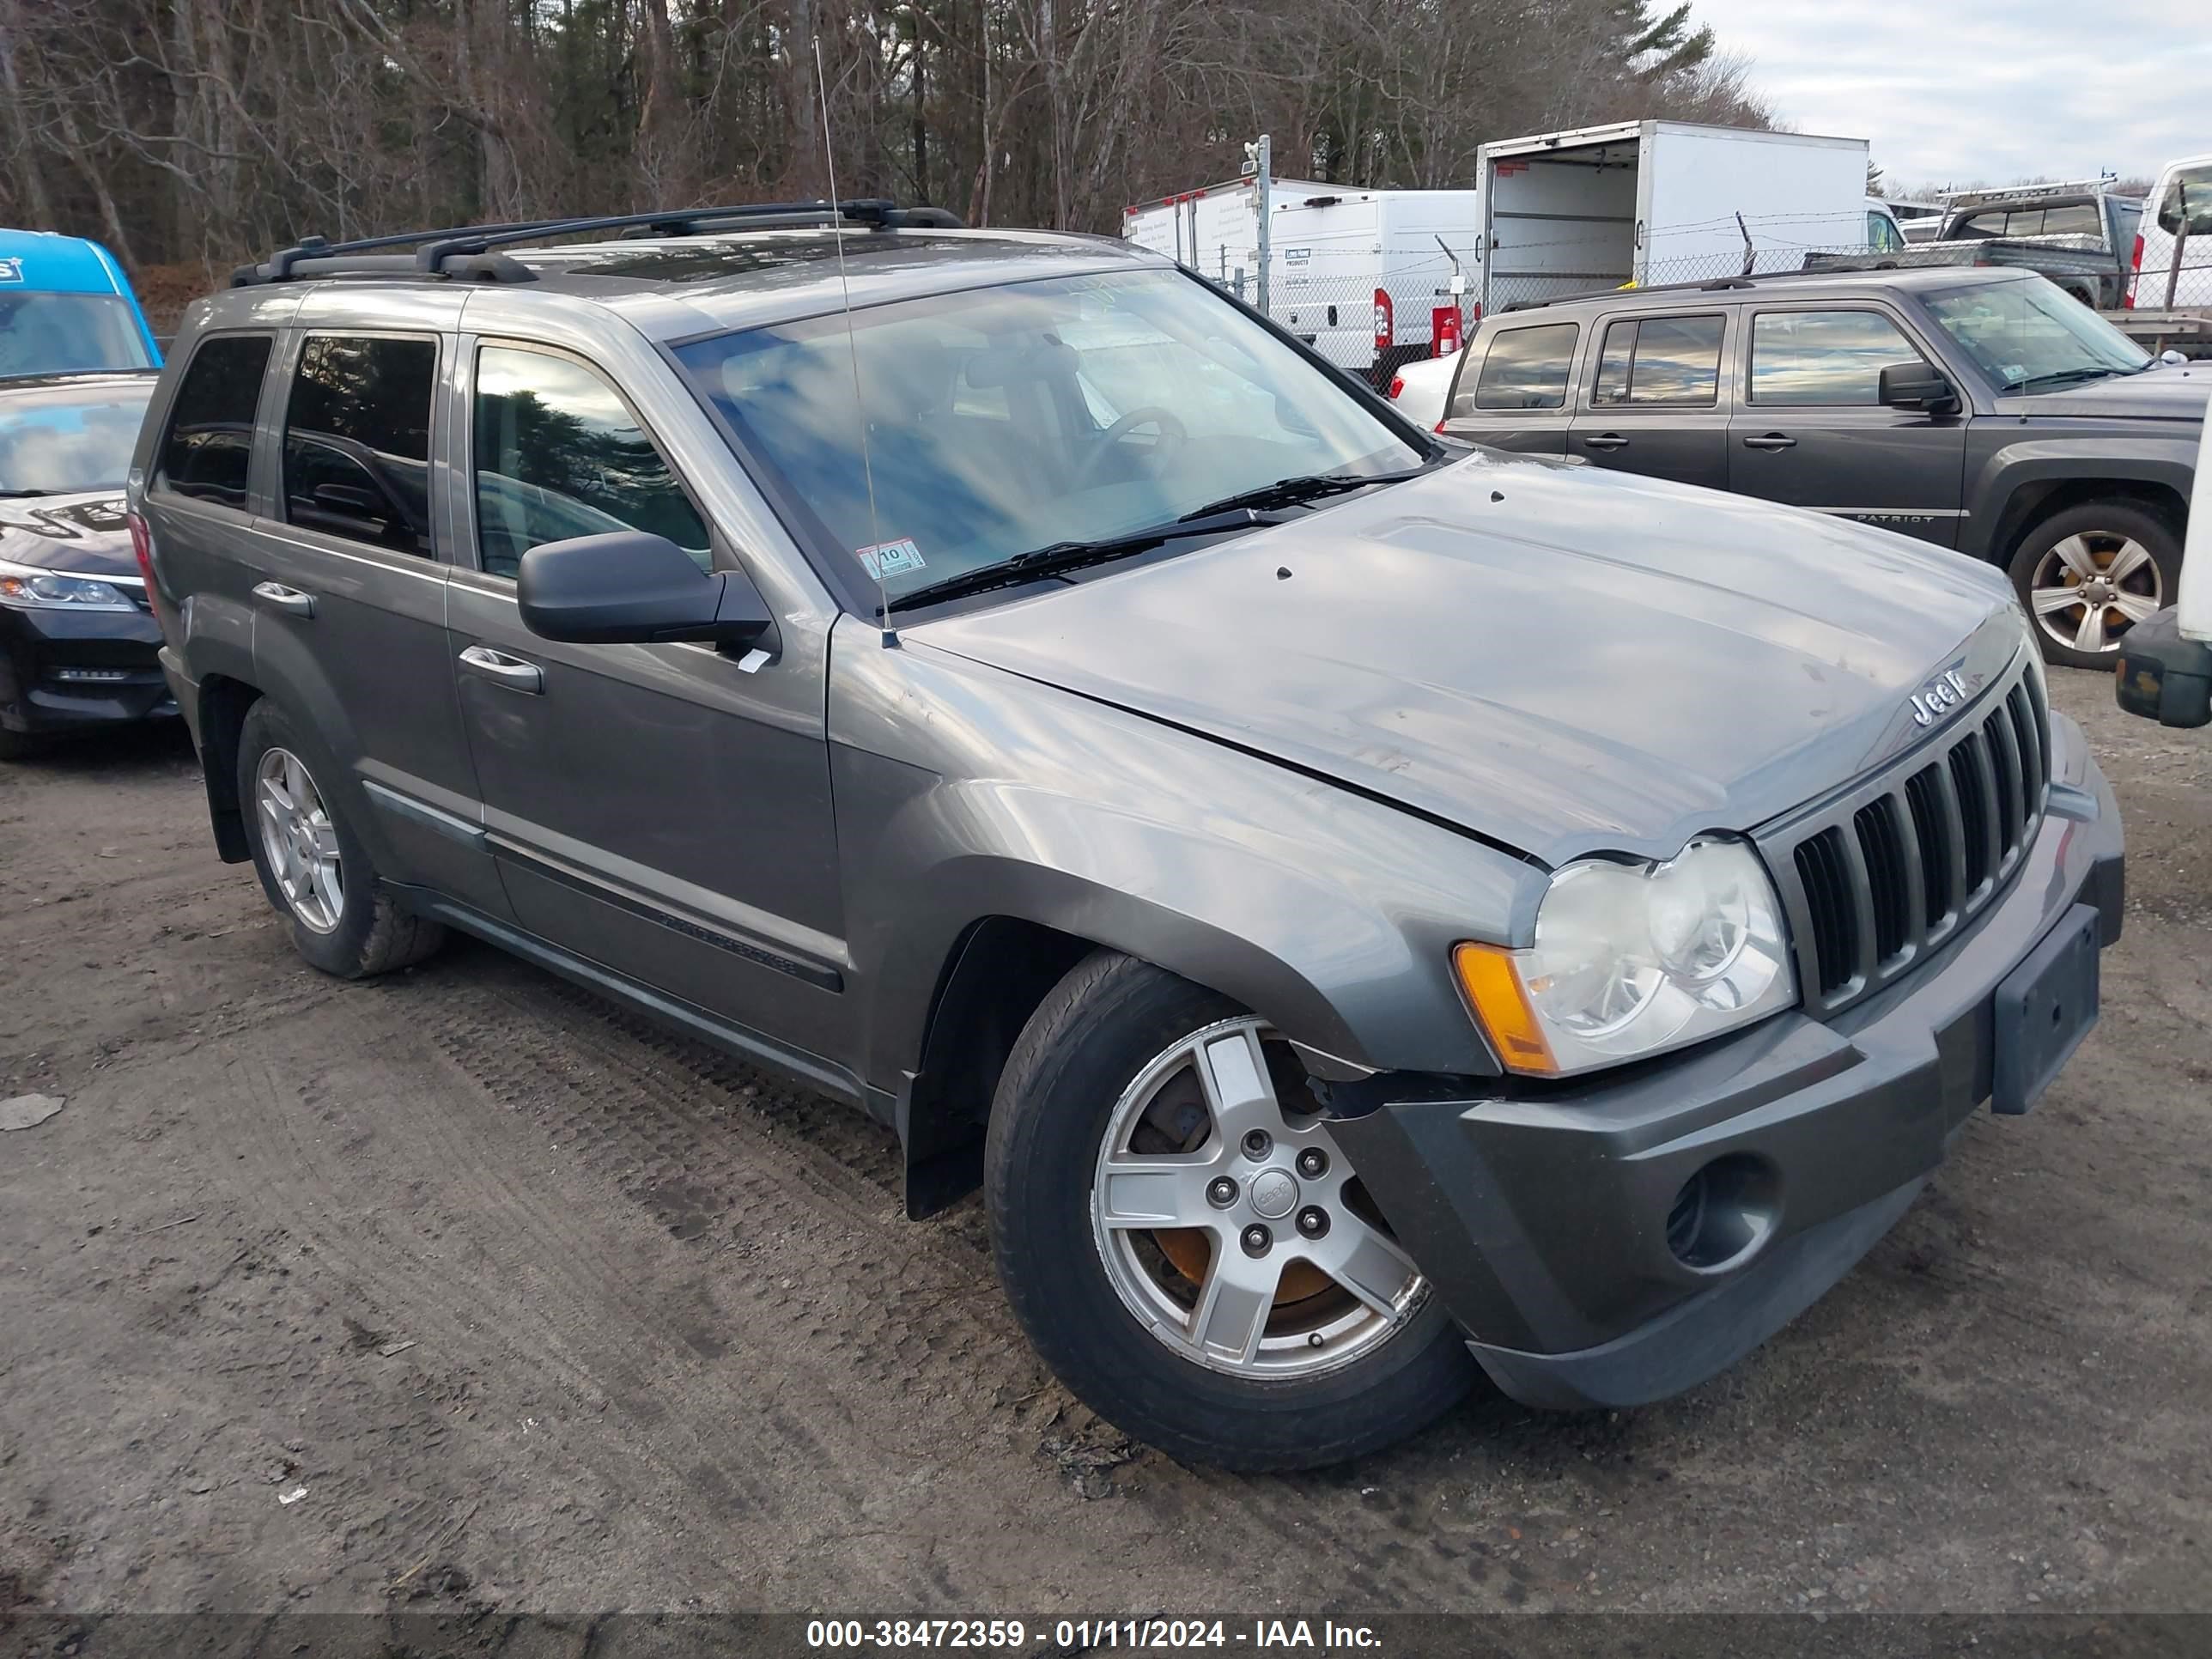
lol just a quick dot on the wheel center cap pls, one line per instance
(1274, 1194)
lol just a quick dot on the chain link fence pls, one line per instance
(1372, 311)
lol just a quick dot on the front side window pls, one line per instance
(1661, 361)
(357, 439)
(2029, 335)
(558, 454)
(2188, 200)
(1833, 358)
(62, 439)
(999, 421)
(45, 333)
(1882, 235)
(208, 450)
(1526, 368)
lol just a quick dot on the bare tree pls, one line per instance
(189, 130)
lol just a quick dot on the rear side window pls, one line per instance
(1525, 369)
(207, 453)
(2077, 219)
(1827, 357)
(357, 439)
(559, 454)
(1672, 362)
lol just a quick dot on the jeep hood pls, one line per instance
(2161, 393)
(1557, 659)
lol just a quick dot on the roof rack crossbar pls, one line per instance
(434, 249)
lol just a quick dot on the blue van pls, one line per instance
(65, 307)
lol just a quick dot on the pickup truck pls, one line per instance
(2081, 239)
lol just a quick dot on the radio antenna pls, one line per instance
(873, 557)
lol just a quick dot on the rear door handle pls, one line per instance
(277, 597)
(1605, 441)
(512, 672)
(1771, 441)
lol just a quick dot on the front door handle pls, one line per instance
(1771, 441)
(1605, 441)
(277, 597)
(512, 672)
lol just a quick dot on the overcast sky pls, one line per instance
(1953, 91)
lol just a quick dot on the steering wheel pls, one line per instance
(1172, 431)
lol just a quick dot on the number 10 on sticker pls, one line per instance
(890, 558)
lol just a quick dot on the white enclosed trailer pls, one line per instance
(1370, 278)
(1653, 201)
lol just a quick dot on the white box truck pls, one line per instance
(1369, 278)
(1653, 201)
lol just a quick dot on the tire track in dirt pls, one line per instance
(660, 1113)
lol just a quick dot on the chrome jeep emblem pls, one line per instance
(1939, 697)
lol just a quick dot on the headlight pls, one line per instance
(1634, 959)
(27, 587)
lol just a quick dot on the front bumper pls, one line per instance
(62, 670)
(1542, 1220)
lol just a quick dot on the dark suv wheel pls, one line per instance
(2088, 574)
(312, 865)
(1186, 1245)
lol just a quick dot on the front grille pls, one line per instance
(1874, 879)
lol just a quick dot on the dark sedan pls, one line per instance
(77, 641)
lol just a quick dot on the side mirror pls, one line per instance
(2163, 676)
(634, 588)
(1916, 385)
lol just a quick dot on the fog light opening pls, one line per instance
(1723, 1214)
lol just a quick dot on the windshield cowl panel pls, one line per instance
(999, 422)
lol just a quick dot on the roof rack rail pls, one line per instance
(1699, 285)
(467, 250)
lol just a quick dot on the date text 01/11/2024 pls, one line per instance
(1079, 1635)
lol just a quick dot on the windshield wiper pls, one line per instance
(23, 494)
(1294, 492)
(1057, 556)
(2062, 377)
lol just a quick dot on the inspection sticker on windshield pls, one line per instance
(890, 558)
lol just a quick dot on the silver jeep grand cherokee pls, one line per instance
(1366, 911)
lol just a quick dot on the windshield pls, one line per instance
(59, 440)
(1008, 419)
(68, 333)
(2030, 336)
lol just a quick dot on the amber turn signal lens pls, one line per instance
(1493, 989)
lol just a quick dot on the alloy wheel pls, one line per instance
(2088, 590)
(301, 842)
(1232, 1228)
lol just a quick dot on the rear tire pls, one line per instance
(1116, 1310)
(312, 865)
(2124, 560)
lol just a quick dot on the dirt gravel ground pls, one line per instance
(538, 1309)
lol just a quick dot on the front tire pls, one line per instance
(2088, 574)
(1184, 1243)
(312, 865)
